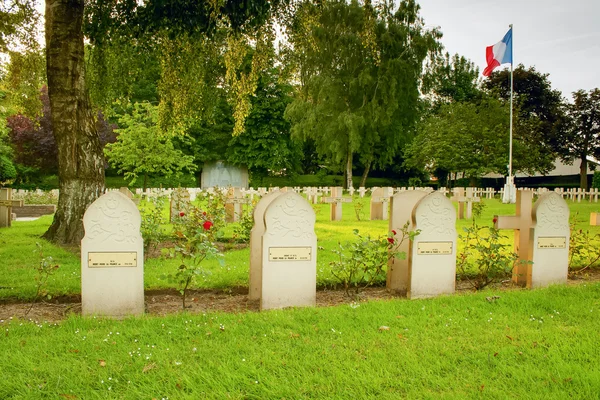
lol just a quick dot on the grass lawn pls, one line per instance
(540, 344)
(531, 344)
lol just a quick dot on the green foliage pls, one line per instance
(584, 247)
(7, 170)
(582, 128)
(153, 219)
(44, 270)
(241, 231)
(361, 263)
(359, 207)
(596, 180)
(194, 234)
(38, 197)
(142, 149)
(486, 258)
(537, 104)
(452, 79)
(265, 146)
(25, 76)
(201, 47)
(359, 69)
(467, 137)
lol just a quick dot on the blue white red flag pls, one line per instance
(498, 54)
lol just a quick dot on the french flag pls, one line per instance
(498, 54)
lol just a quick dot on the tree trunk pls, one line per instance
(363, 179)
(349, 169)
(583, 183)
(80, 157)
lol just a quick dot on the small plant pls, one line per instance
(194, 235)
(44, 270)
(152, 221)
(241, 231)
(359, 206)
(584, 248)
(361, 263)
(484, 259)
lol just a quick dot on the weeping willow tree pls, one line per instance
(199, 47)
(129, 40)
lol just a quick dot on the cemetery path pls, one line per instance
(234, 300)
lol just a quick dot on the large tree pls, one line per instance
(80, 158)
(266, 145)
(582, 127)
(467, 137)
(359, 68)
(81, 162)
(539, 105)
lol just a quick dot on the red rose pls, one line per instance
(207, 225)
(495, 220)
(181, 214)
(204, 213)
(394, 232)
(391, 240)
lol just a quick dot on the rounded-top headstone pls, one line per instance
(432, 256)
(549, 246)
(289, 253)
(112, 258)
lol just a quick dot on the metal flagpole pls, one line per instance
(511, 115)
(510, 191)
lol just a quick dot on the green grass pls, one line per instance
(19, 257)
(540, 344)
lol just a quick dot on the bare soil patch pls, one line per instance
(234, 300)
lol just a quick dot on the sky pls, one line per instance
(558, 37)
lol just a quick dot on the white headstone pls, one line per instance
(112, 258)
(550, 235)
(289, 254)
(432, 255)
(402, 205)
(258, 230)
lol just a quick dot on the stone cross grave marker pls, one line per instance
(549, 246)
(463, 198)
(233, 204)
(112, 258)
(6, 205)
(336, 200)
(432, 254)
(289, 254)
(594, 219)
(256, 234)
(380, 198)
(351, 191)
(361, 191)
(401, 208)
(180, 203)
(521, 223)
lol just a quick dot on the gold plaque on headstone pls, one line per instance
(290, 253)
(112, 260)
(558, 242)
(434, 248)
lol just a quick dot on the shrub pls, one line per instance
(361, 263)
(484, 259)
(7, 170)
(596, 180)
